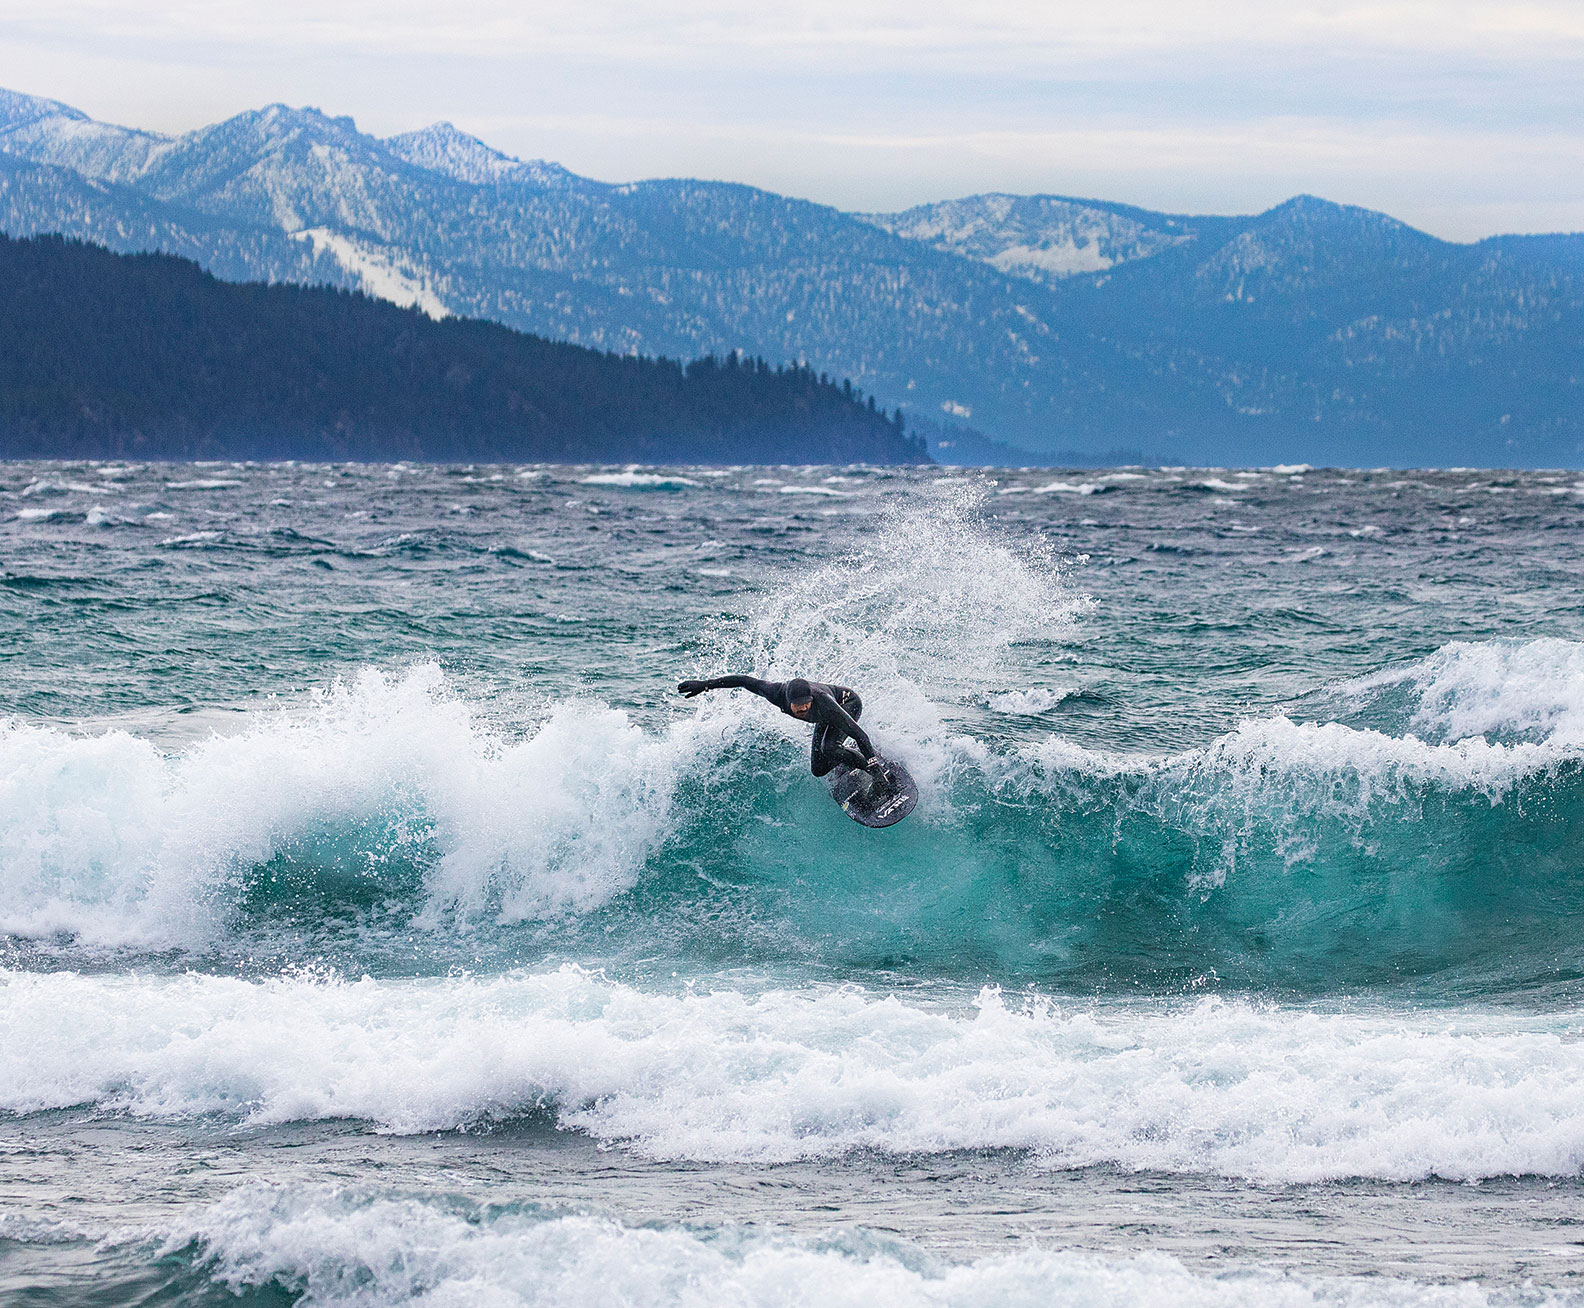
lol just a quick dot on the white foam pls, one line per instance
(1478, 717)
(1037, 700)
(639, 480)
(1069, 488)
(813, 490)
(44, 486)
(203, 483)
(40, 515)
(1282, 774)
(1530, 691)
(109, 838)
(340, 1248)
(1231, 1088)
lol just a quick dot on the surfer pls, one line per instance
(833, 710)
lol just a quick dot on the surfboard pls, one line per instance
(878, 797)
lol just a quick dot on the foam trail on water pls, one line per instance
(1209, 1086)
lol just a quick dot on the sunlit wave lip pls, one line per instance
(1206, 1086)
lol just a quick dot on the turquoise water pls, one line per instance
(379, 927)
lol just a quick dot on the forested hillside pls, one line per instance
(148, 356)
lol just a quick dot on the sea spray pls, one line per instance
(495, 955)
(918, 615)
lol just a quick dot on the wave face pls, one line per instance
(1432, 825)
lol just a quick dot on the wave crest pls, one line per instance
(1289, 853)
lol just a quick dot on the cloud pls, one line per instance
(1431, 109)
(1013, 32)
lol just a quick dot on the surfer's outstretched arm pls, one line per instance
(764, 689)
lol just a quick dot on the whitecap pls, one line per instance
(1069, 488)
(1220, 1087)
(1031, 702)
(639, 480)
(349, 1247)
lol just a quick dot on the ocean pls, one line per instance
(378, 926)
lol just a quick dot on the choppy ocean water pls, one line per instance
(380, 928)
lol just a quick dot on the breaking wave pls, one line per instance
(337, 1247)
(346, 1247)
(1207, 1086)
(1424, 820)
(1434, 823)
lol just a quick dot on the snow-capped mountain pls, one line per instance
(51, 132)
(1312, 332)
(1041, 237)
(441, 148)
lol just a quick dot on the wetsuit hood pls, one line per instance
(798, 690)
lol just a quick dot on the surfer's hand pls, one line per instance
(691, 688)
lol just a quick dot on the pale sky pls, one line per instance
(1462, 118)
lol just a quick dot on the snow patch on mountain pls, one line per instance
(1061, 260)
(377, 271)
(1040, 237)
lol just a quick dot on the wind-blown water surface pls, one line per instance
(364, 882)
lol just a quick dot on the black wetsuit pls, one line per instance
(834, 717)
